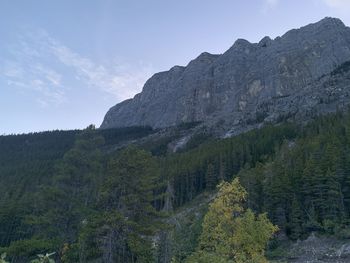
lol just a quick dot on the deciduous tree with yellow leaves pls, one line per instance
(231, 233)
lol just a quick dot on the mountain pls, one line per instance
(137, 194)
(292, 76)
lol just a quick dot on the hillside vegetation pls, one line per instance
(71, 193)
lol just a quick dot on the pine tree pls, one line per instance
(210, 177)
(129, 189)
(276, 193)
(223, 169)
(63, 206)
(295, 220)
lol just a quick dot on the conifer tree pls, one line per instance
(129, 189)
(64, 205)
(210, 177)
(295, 220)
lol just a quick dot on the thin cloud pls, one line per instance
(121, 84)
(25, 77)
(24, 70)
(340, 5)
(43, 64)
(50, 75)
(268, 5)
(272, 3)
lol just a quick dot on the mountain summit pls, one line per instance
(292, 76)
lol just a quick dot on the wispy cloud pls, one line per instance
(268, 5)
(41, 63)
(340, 5)
(36, 78)
(120, 84)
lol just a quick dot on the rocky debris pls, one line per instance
(249, 85)
(320, 250)
(314, 249)
(179, 144)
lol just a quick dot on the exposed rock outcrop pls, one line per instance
(250, 84)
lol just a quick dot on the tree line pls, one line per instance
(72, 197)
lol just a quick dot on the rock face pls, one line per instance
(250, 84)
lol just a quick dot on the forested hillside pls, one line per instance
(75, 194)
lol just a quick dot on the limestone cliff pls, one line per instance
(292, 76)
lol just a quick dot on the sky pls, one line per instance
(64, 63)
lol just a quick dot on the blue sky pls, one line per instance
(64, 63)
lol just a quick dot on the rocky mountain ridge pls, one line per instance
(298, 75)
